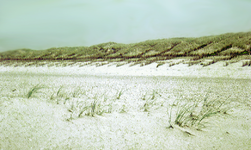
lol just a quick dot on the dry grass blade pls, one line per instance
(119, 94)
(34, 90)
(59, 90)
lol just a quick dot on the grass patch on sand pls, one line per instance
(182, 113)
(88, 106)
(194, 113)
(80, 102)
(246, 63)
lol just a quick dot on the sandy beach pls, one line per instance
(126, 107)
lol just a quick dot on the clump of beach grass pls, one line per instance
(192, 114)
(96, 108)
(171, 64)
(193, 62)
(59, 95)
(160, 64)
(150, 100)
(246, 63)
(88, 106)
(78, 92)
(207, 63)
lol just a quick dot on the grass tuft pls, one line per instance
(246, 63)
(160, 64)
(33, 90)
(192, 114)
(119, 94)
(150, 100)
(88, 106)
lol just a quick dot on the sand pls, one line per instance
(44, 120)
(234, 70)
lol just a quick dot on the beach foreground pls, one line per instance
(126, 107)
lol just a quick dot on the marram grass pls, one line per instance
(192, 114)
(34, 90)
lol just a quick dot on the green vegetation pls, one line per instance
(227, 46)
(84, 101)
(34, 90)
(192, 114)
(78, 107)
(185, 113)
(150, 100)
(119, 94)
(81, 102)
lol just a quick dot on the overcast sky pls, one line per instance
(41, 24)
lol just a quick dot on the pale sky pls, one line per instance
(42, 24)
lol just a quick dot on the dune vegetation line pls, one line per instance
(230, 46)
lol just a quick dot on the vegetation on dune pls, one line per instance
(228, 46)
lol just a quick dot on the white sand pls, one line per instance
(234, 70)
(41, 123)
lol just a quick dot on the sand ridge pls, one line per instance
(234, 70)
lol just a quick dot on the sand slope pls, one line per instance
(234, 70)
